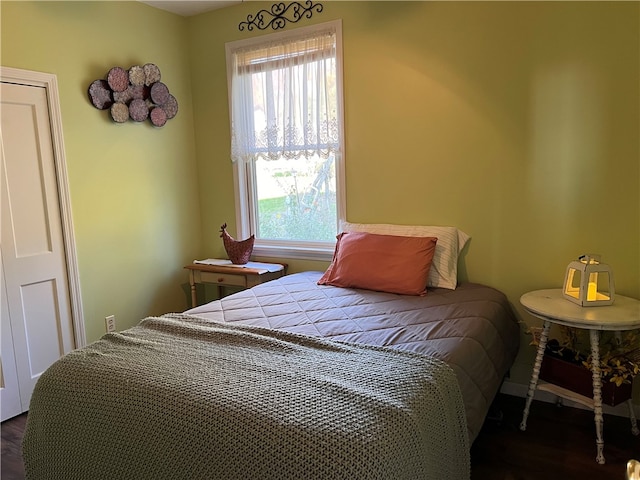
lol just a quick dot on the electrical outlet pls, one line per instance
(111, 323)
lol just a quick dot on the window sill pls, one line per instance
(301, 253)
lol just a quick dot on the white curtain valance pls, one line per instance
(284, 99)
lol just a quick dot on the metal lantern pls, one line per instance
(589, 282)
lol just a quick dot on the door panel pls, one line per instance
(41, 320)
(26, 175)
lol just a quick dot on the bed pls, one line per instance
(294, 378)
(472, 328)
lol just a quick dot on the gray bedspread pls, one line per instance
(472, 328)
(180, 396)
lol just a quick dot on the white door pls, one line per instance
(36, 287)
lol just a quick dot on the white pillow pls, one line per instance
(451, 241)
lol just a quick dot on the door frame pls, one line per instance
(49, 82)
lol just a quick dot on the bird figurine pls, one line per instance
(238, 251)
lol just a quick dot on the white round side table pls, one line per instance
(551, 306)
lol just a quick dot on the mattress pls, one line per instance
(472, 328)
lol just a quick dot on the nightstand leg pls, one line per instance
(536, 372)
(632, 417)
(597, 392)
(194, 297)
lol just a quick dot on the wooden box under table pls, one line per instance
(579, 379)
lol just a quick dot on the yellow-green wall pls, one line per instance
(517, 122)
(133, 187)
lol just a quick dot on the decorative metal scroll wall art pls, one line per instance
(280, 14)
(135, 94)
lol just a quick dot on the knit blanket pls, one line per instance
(181, 397)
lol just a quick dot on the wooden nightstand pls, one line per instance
(552, 307)
(224, 274)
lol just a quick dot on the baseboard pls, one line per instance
(519, 390)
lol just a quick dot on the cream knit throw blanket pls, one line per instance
(180, 397)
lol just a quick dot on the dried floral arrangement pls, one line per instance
(135, 94)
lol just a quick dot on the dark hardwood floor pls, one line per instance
(11, 461)
(559, 444)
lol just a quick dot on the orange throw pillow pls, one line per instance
(385, 263)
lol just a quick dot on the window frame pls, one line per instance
(245, 189)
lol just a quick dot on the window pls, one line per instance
(285, 100)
